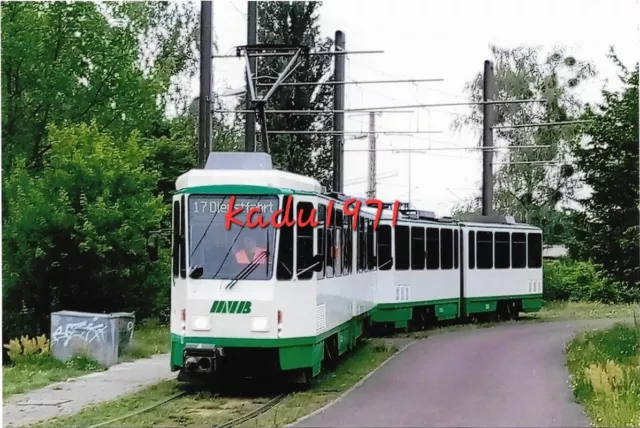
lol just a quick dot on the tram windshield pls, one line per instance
(225, 253)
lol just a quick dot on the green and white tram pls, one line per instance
(271, 275)
(286, 309)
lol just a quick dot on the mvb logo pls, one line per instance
(229, 307)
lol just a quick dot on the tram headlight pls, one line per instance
(259, 324)
(201, 323)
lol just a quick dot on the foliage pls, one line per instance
(112, 63)
(27, 348)
(577, 282)
(605, 374)
(606, 231)
(532, 192)
(296, 23)
(77, 235)
(75, 217)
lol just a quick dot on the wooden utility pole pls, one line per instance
(488, 93)
(338, 115)
(205, 144)
(252, 39)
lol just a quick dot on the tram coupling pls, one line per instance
(202, 358)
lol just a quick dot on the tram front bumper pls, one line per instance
(201, 358)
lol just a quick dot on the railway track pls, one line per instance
(231, 424)
(254, 413)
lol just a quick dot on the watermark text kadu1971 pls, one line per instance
(351, 209)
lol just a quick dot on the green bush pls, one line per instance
(74, 235)
(577, 281)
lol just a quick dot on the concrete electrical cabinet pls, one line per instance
(100, 336)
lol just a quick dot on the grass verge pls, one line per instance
(551, 311)
(605, 374)
(561, 311)
(208, 408)
(35, 372)
(151, 338)
(40, 372)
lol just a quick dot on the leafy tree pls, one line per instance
(77, 235)
(532, 192)
(113, 65)
(607, 229)
(296, 23)
(76, 62)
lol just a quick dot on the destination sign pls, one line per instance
(213, 207)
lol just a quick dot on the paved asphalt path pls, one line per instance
(505, 376)
(67, 398)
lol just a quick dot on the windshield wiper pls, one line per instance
(248, 270)
(231, 246)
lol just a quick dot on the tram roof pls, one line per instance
(243, 173)
(488, 225)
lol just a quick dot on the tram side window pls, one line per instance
(417, 248)
(284, 271)
(358, 238)
(330, 244)
(403, 251)
(472, 249)
(384, 247)
(361, 244)
(502, 250)
(433, 248)
(175, 251)
(456, 249)
(348, 234)
(183, 246)
(446, 248)
(534, 248)
(329, 252)
(338, 234)
(322, 237)
(518, 250)
(304, 241)
(484, 250)
(365, 245)
(371, 265)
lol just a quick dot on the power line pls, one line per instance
(244, 15)
(398, 76)
(384, 108)
(362, 82)
(530, 163)
(389, 97)
(489, 149)
(354, 132)
(532, 125)
(386, 112)
(362, 180)
(266, 54)
(431, 154)
(489, 102)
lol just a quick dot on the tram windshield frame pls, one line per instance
(213, 246)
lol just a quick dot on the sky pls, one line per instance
(437, 39)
